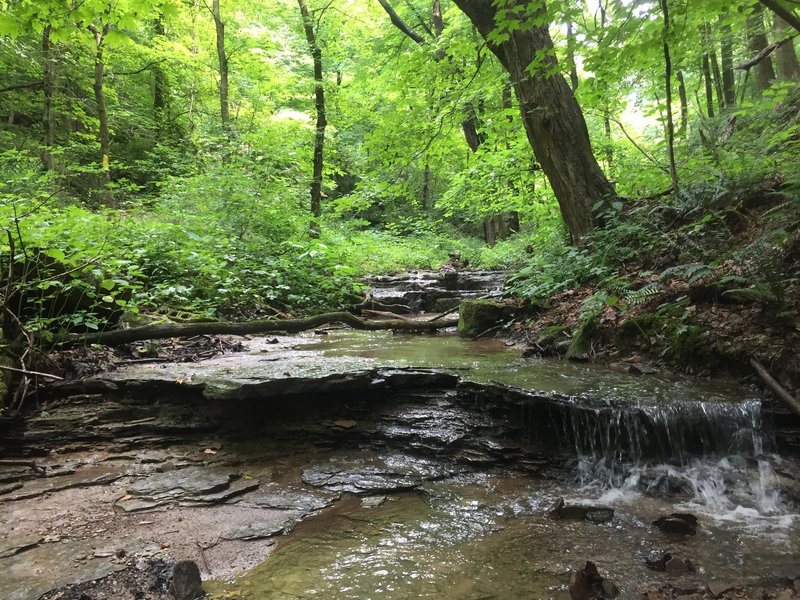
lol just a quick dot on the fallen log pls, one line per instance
(776, 387)
(171, 330)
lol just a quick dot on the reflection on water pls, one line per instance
(491, 538)
(488, 535)
(491, 360)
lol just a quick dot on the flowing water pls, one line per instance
(644, 446)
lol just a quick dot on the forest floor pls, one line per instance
(733, 297)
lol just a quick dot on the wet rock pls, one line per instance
(186, 583)
(478, 316)
(588, 584)
(289, 498)
(678, 566)
(393, 473)
(657, 561)
(718, 588)
(263, 529)
(677, 524)
(363, 481)
(373, 501)
(594, 514)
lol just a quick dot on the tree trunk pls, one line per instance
(169, 330)
(785, 55)
(553, 120)
(48, 85)
(160, 89)
(573, 68)
(726, 55)
(756, 42)
(319, 105)
(684, 103)
(673, 172)
(708, 85)
(104, 135)
(222, 58)
(717, 77)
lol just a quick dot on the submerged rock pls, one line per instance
(678, 524)
(588, 584)
(594, 514)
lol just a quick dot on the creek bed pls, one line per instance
(340, 466)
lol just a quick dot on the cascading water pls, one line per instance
(708, 454)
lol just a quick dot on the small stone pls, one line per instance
(717, 588)
(676, 566)
(609, 589)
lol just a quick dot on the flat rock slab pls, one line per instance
(266, 370)
(81, 477)
(191, 486)
(29, 575)
(385, 475)
(289, 498)
(263, 529)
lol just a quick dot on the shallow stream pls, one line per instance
(332, 465)
(486, 533)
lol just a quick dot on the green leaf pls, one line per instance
(8, 25)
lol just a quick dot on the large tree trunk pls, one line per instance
(709, 85)
(785, 55)
(48, 85)
(553, 120)
(756, 42)
(319, 105)
(104, 136)
(222, 58)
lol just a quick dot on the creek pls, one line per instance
(343, 464)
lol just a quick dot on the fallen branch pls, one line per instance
(776, 387)
(26, 372)
(171, 330)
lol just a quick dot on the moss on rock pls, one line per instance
(476, 316)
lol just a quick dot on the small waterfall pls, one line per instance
(708, 453)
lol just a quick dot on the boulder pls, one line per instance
(186, 583)
(478, 316)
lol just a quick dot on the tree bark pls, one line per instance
(673, 171)
(319, 106)
(103, 135)
(48, 85)
(757, 42)
(726, 56)
(160, 89)
(169, 330)
(785, 55)
(222, 58)
(708, 85)
(553, 120)
(684, 103)
(573, 68)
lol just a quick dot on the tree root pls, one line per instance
(170, 330)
